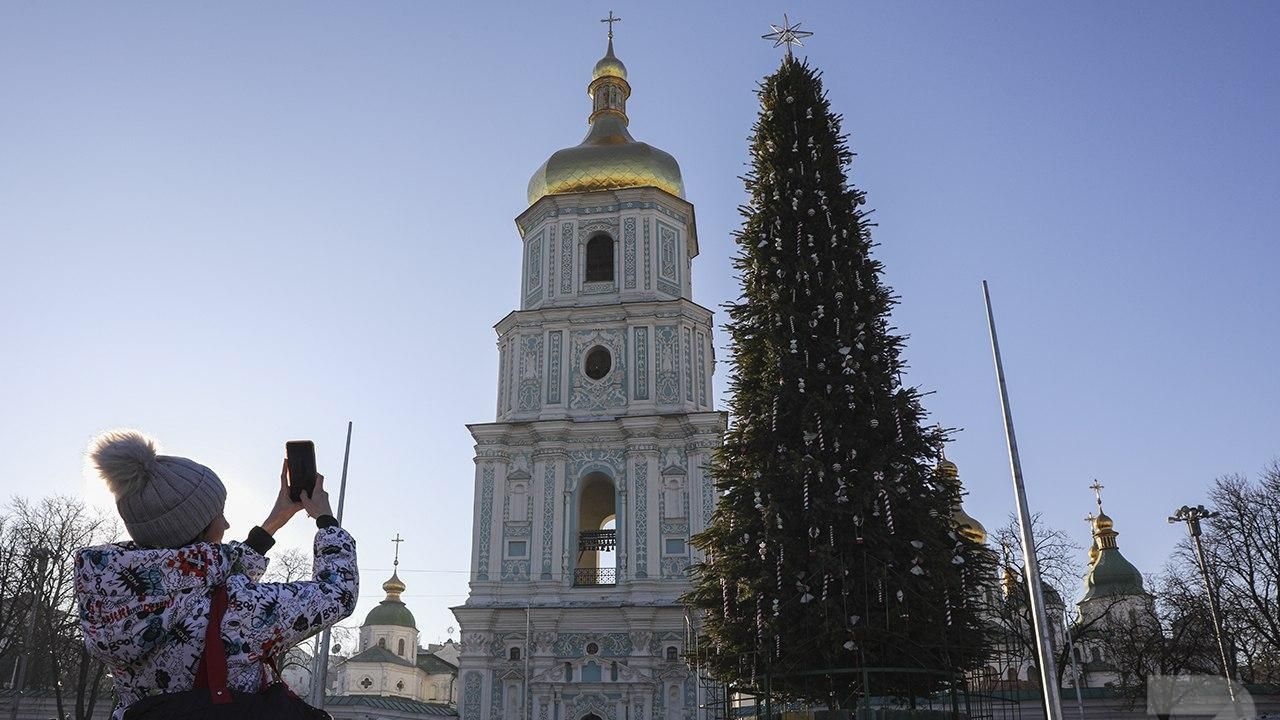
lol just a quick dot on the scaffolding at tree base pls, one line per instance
(960, 696)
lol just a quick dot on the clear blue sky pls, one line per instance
(234, 224)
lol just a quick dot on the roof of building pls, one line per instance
(382, 702)
(377, 653)
(434, 664)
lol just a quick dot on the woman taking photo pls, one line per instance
(145, 604)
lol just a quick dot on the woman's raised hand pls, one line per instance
(317, 501)
(285, 508)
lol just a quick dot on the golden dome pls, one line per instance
(969, 527)
(609, 65)
(966, 525)
(393, 586)
(1103, 522)
(608, 158)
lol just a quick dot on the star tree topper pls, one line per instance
(786, 34)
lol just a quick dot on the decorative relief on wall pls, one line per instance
(573, 645)
(668, 259)
(608, 392)
(555, 341)
(502, 379)
(551, 260)
(667, 262)
(486, 520)
(648, 257)
(675, 568)
(495, 698)
(641, 496)
(702, 369)
(471, 695)
(595, 704)
(666, 356)
(548, 516)
(515, 571)
(629, 253)
(598, 288)
(530, 388)
(566, 258)
(673, 213)
(582, 462)
(642, 363)
(534, 264)
(688, 366)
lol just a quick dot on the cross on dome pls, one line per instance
(1097, 492)
(611, 20)
(397, 540)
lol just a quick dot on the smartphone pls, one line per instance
(301, 455)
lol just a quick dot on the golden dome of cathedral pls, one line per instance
(608, 158)
(966, 525)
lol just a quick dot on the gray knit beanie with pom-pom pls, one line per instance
(165, 501)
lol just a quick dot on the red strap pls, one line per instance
(212, 671)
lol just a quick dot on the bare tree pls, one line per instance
(1242, 544)
(289, 565)
(58, 526)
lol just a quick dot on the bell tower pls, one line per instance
(592, 478)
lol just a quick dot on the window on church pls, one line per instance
(513, 653)
(600, 259)
(568, 672)
(366, 683)
(382, 643)
(400, 647)
(598, 363)
(672, 653)
(613, 672)
(673, 546)
(517, 548)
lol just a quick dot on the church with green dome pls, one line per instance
(390, 665)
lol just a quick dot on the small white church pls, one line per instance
(591, 481)
(389, 663)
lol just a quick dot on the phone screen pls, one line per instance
(301, 455)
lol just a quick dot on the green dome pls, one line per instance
(1112, 576)
(391, 612)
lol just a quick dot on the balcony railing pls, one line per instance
(590, 577)
(597, 540)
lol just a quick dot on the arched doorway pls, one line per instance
(591, 716)
(597, 532)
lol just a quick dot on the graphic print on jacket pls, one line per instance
(144, 612)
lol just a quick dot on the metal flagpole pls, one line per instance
(322, 676)
(1044, 642)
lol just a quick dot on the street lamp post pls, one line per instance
(1192, 517)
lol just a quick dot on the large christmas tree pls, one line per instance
(832, 547)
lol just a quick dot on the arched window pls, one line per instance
(568, 672)
(400, 647)
(613, 672)
(600, 259)
(513, 653)
(382, 643)
(672, 653)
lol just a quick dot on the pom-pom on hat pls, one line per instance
(165, 501)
